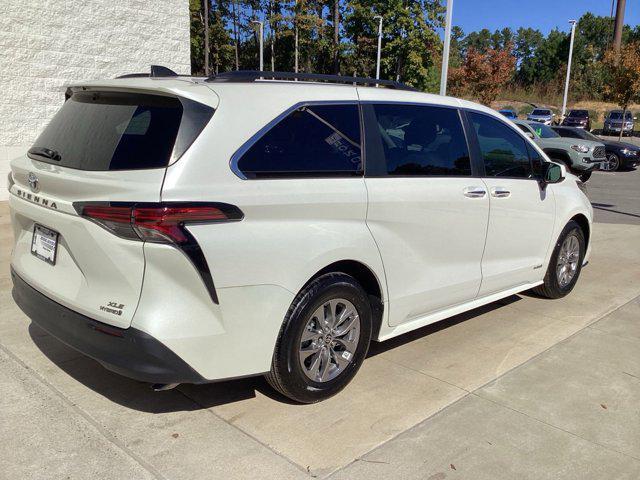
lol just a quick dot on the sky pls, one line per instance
(473, 15)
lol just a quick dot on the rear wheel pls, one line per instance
(565, 264)
(324, 339)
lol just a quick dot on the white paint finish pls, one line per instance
(519, 233)
(429, 263)
(45, 45)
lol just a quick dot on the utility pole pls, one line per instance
(619, 25)
(206, 37)
(379, 18)
(260, 34)
(445, 51)
(566, 83)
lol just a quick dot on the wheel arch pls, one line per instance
(558, 155)
(367, 279)
(582, 220)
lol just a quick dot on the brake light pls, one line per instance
(160, 223)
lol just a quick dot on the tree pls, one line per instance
(483, 75)
(624, 76)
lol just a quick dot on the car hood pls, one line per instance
(566, 143)
(614, 144)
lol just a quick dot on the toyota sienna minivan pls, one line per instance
(188, 230)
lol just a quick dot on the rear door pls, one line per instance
(101, 147)
(522, 213)
(427, 211)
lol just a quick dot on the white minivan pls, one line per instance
(187, 230)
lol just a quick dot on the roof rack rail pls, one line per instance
(245, 76)
(157, 71)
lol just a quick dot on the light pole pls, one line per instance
(206, 37)
(445, 50)
(566, 83)
(260, 34)
(379, 18)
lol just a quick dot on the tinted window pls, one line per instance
(116, 131)
(504, 152)
(523, 128)
(422, 140)
(578, 113)
(565, 132)
(541, 112)
(312, 140)
(536, 160)
(543, 131)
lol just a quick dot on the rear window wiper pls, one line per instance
(46, 153)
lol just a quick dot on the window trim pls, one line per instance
(478, 152)
(244, 148)
(370, 121)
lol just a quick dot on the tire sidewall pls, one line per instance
(316, 294)
(571, 228)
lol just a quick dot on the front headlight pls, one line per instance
(580, 148)
(628, 152)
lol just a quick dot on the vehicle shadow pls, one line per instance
(140, 396)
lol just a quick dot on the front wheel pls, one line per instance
(565, 264)
(584, 176)
(612, 164)
(324, 339)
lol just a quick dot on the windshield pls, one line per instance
(541, 112)
(618, 115)
(588, 136)
(543, 131)
(578, 113)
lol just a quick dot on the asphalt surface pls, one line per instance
(615, 196)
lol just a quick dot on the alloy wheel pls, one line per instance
(612, 163)
(568, 259)
(329, 340)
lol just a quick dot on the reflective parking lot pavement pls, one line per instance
(522, 388)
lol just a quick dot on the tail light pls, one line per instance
(159, 223)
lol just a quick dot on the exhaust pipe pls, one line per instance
(161, 387)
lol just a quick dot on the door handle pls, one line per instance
(474, 192)
(500, 192)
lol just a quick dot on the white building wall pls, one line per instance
(45, 44)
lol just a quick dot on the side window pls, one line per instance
(314, 140)
(523, 128)
(504, 151)
(422, 140)
(536, 160)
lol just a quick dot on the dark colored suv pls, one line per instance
(577, 119)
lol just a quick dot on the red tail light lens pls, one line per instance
(166, 223)
(162, 223)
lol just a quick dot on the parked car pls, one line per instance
(541, 115)
(509, 114)
(578, 119)
(581, 157)
(181, 229)
(613, 123)
(619, 154)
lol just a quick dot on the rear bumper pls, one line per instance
(129, 352)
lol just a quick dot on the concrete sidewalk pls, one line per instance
(523, 388)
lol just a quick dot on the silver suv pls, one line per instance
(613, 123)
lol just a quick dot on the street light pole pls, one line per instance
(445, 50)
(206, 37)
(379, 18)
(260, 34)
(566, 83)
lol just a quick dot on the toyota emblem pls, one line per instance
(32, 179)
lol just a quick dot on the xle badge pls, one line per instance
(113, 307)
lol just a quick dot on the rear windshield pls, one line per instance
(103, 131)
(541, 112)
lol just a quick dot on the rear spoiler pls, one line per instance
(157, 71)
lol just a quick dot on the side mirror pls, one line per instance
(530, 135)
(551, 173)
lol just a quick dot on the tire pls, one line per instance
(584, 176)
(612, 164)
(294, 372)
(554, 285)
